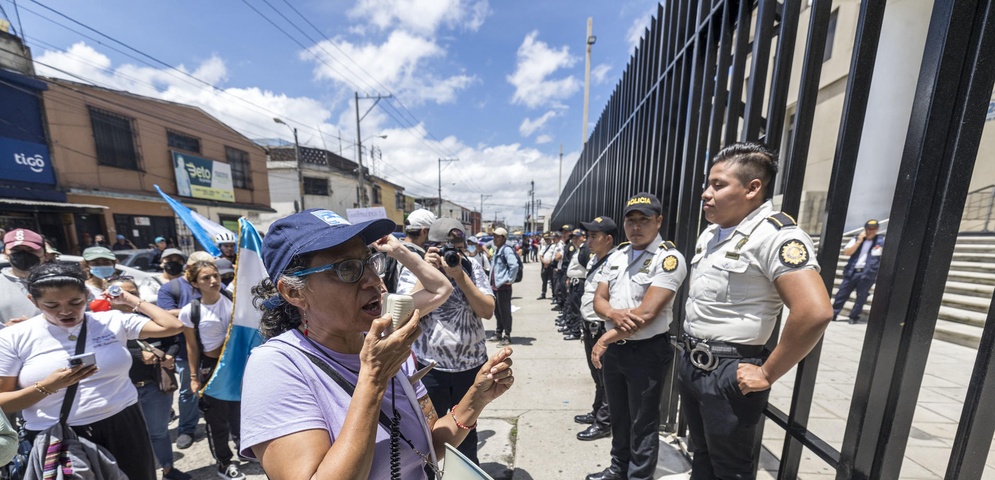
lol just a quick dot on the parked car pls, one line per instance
(142, 259)
(125, 270)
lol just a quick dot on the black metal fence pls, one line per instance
(708, 73)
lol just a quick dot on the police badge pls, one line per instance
(793, 253)
(670, 263)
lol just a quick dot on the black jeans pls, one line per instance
(575, 290)
(222, 418)
(592, 332)
(547, 276)
(634, 374)
(125, 436)
(447, 389)
(722, 422)
(502, 310)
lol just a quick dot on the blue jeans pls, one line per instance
(189, 411)
(155, 408)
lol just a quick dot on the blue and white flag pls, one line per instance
(243, 332)
(202, 229)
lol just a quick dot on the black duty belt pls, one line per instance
(705, 354)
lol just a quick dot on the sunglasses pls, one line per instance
(351, 270)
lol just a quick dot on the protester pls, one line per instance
(172, 265)
(502, 277)
(226, 242)
(122, 243)
(322, 315)
(160, 244)
(415, 236)
(145, 374)
(98, 265)
(226, 270)
(476, 253)
(34, 375)
(24, 250)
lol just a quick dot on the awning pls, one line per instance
(19, 205)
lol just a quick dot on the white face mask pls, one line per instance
(472, 249)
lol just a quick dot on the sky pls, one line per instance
(498, 85)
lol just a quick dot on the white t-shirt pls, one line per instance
(214, 320)
(33, 349)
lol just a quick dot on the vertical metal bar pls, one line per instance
(734, 103)
(977, 425)
(939, 156)
(759, 62)
(721, 78)
(783, 58)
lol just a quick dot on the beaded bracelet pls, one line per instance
(135, 310)
(452, 412)
(42, 390)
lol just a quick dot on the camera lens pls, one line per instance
(452, 258)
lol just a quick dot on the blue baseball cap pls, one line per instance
(311, 231)
(159, 239)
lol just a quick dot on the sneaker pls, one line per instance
(505, 340)
(184, 441)
(231, 472)
(493, 338)
(176, 474)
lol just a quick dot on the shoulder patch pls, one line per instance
(793, 253)
(781, 220)
(670, 263)
(668, 245)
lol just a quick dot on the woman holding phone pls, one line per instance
(34, 370)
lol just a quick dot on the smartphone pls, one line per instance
(83, 359)
(400, 308)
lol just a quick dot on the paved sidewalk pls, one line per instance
(529, 432)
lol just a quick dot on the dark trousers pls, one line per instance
(559, 287)
(852, 280)
(591, 333)
(125, 436)
(502, 310)
(722, 422)
(547, 276)
(447, 389)
(223, 418)
(575, 290)
(634, 374)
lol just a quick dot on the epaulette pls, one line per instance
(668, 245)
(781, 220)
(623, 245)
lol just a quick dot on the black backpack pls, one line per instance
(519, 275)
(392, 271)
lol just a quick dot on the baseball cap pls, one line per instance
(645, 203)
(23, 236)
(120, 237)
(313, 230)
(577, 232)
(566, 228)
(199, 256)
(173, 251)
(872, 224)
(439, 232)
(472, 239)
(94, 253)
(224, 266)
(600, 224)
(421, 218)
(500, 231)
(158, 239)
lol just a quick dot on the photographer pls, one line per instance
(453, 334)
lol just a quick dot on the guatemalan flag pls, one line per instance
(243, 333)
(202, 229)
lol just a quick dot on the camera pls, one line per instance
(450, 254)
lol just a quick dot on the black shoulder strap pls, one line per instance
(781, 220)
(195, 320)
(174, 290)
(67, 402)
(227, 293)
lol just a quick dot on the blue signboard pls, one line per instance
(25, 162)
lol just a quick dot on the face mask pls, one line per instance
(173, 268)
(472, 249)
(23, 261)
(102, 272)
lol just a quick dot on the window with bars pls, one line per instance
(316, 186)
(114, 139)
(831, 35)
(377, 200)
(182, 142)
(241, 174)
(399, 201)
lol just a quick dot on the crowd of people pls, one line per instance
(361, 398)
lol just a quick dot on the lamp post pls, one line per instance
(297, 161)
(587, 76)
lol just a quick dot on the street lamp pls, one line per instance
(297, 160)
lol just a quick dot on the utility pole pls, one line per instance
(532, 206)
(359, 143)
(297, 160)
(447, 160)
(587, 76)
(559, 181)
(482, 197)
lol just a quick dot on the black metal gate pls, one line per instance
(687, 92)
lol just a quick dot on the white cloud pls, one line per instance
(422, 16)
(398, 64)
(536, 62)
(529, 126)
(599, 74)
(639, 26)
(541, 139)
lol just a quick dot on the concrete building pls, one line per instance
(470, 218)
(110, 148)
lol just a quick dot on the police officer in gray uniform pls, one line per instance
(749, 263)
(635, 296)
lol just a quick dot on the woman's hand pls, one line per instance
(125, 299)
(495, 377)
(65, 377)
(149, 358)
(169, 362)
(382, 356)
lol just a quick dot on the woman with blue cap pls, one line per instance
(330, 394)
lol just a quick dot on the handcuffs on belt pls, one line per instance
(706, 357)
(701, 355)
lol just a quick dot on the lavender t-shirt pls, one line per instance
(284, 393)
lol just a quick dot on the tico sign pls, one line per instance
(25, 162)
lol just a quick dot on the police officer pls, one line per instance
(601, 240)
(750, 262)
(561, 259)
(546, 253)
(861, 269)
(635, 296)
(576, 273)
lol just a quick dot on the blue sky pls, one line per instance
(497, 84)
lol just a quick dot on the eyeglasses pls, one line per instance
(351, 270)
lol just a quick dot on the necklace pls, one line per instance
(72, 333)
